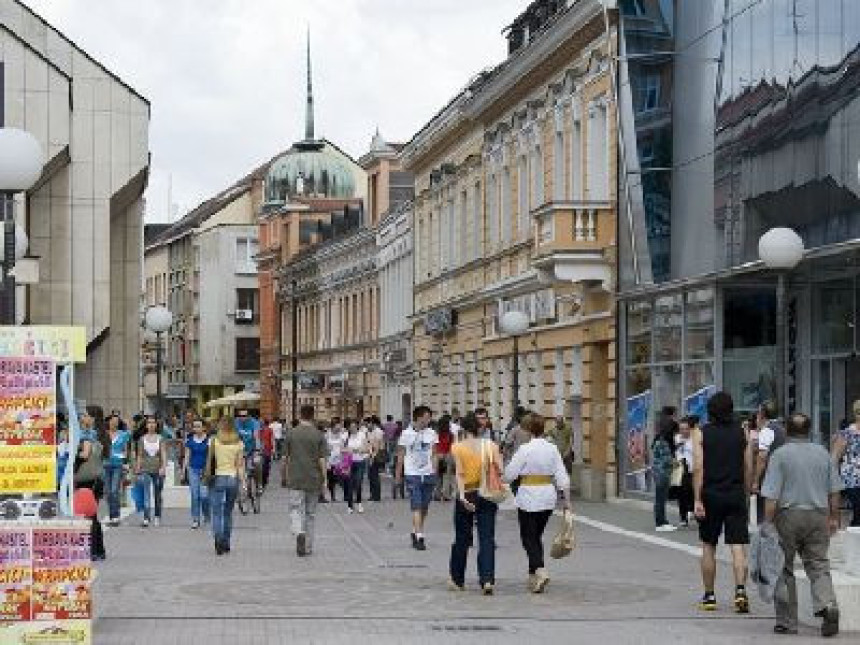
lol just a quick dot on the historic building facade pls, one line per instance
(515, 209)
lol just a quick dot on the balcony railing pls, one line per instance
(573, 226)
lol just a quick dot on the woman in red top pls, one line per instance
(445, 484)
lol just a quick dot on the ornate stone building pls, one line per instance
(515, 209)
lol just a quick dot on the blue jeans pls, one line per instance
(222, 497)
(661, 494)
(113, 486)
(152, 484)
(199, 494)
(485, 517)
(356, 480)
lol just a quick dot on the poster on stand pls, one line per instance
(638, 412)
(697, 403)
(27, 402)
(16, 579)
(47, 632)
(61, 574)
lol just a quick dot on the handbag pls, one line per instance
(492, 488)
(209, 469)
(90, 469)
(677, 475)
(565, 539)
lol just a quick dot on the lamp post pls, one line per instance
(781, 249)
(515, 323)
(294, 357)
(21, 161)
(158, 319)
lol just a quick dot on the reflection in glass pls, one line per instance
(667, 386)
(750, 382)
(822, 415)
(639, 332)
(834, 329)
(700, 324)
(749, 321)
(668, 320)
(698, 375)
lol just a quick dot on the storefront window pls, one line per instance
(834, 328)
(700, 324)
(749, 339)
(697, 376)
(668, 321)
(639, 332)
(638, 422)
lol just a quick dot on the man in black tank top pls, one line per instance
(721, 484)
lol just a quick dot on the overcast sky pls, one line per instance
(226, 78)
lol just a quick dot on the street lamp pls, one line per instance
(21, 161)
(515, 323)
(781, 249)
(158, 320)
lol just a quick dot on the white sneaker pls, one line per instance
(349, 511)
(145, 523)
(666, 528)
(156, 521)
(360, 508)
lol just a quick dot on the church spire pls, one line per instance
(309, 115)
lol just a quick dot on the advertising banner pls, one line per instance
(61, 574)
(27, 401)
(697, 403)
(28, 469)
(58, 344)
(16, 578)
(47, 632)
(638, 411)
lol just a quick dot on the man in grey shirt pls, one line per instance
(307, 466)
(802, 489)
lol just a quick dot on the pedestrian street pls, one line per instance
(166, 585)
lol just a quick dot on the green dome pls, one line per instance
(310, 169)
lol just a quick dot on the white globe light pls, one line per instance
(514, 322)
(780, 248)
(158, 319)
(21, 160)
(22, 242)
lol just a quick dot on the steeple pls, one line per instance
(309, 115)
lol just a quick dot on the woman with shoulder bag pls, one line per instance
(194, 463)
(472, 456)
(543, 479)
(88, 472)
(149, 468)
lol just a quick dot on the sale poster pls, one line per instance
(27, 401)
(15, 573)
(28, 469)
(61, 574)
(47, 632)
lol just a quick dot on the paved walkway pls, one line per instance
(166, 585)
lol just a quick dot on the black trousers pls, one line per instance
(532, 526)
(97, 539)
(686, 497)
(373, 478)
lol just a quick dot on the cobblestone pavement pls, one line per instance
(165, 585)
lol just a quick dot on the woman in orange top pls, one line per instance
(471, 509)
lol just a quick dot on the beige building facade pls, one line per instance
(515, 209)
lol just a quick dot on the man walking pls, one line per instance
(721, 483)
(802, 489)
(416, 459)
(306, 461)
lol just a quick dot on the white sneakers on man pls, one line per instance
(666, 528)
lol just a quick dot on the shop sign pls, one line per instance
(28, 469)
(27, 401)
(58, 344)
(61, 574)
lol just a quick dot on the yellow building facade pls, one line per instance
(515, 209)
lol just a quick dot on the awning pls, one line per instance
(231, 400)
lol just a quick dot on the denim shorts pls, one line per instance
(420, 490)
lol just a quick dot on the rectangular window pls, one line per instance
(576, 161)
(247, 354)
(507, 204)
(492, 215)
(246, 306)
(558, 167)
(477, 210)
(246, 250)
(523, 197)
(464, 228)
(453, 242)
(648, 94)
(537, 185)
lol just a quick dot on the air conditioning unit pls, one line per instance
(244, 315)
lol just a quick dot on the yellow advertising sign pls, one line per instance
(59, 344)
(53, 632)
(28, 469)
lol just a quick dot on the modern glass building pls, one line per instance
(737, 116)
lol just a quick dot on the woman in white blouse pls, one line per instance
(359, 447)
(543, 479)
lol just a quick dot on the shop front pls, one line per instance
(682, 341)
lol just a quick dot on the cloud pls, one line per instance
(226, 78)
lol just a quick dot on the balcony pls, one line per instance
(570, 240)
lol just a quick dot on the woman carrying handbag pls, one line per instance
(543, 478)
(476, 463)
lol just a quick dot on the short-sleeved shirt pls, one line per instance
(225, 458)
(418, 445)
(198, 450)
(305, 447)
(468, 464)
(119, 448)
(801, 475)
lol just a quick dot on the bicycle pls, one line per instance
(249, 495)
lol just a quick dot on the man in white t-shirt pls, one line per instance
(278, 435)
(416, 452)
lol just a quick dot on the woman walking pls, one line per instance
(118, 443)
(336, 439)
(359, 449)
(470, 457)
(149, 468)
(88, 473)
(684, 457)
(543, 479)
(662, 452)
(227, 465)
(196, 453)
(445, 484)
(846, 454)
